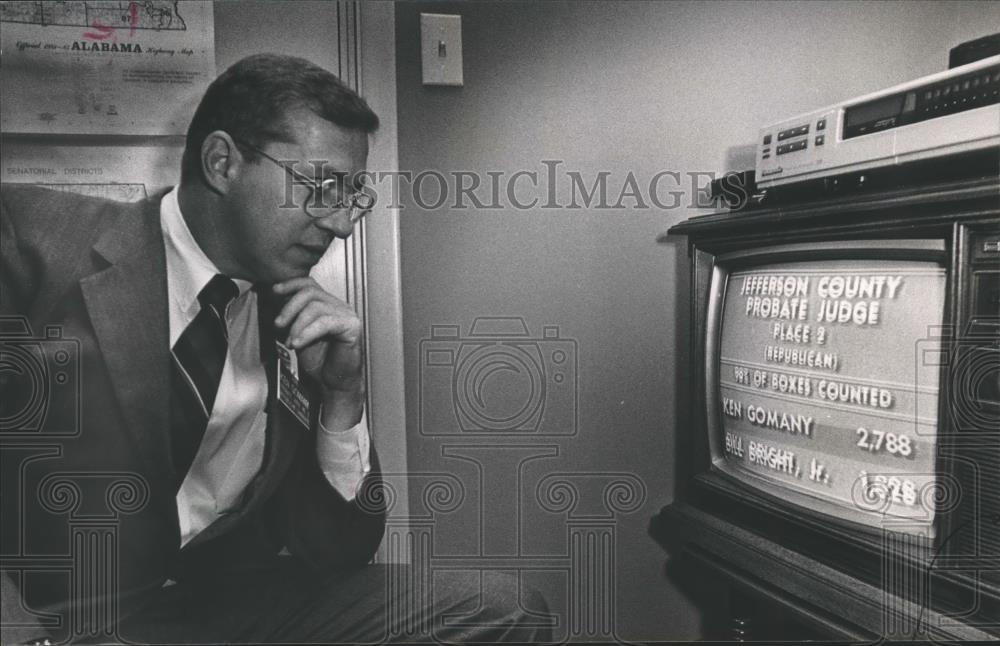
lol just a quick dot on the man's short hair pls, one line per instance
(251, 99)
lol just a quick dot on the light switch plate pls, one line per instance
(441, 49)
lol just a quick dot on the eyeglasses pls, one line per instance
(329, 191)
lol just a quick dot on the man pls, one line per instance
(222, 389)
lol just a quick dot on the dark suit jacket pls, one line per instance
(88, 507)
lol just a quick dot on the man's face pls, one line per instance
(272, 240)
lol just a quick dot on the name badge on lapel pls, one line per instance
(290, 391)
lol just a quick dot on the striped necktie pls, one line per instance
(199, 355)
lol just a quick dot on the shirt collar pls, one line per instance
(188, 268)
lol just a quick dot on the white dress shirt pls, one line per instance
(232, 449)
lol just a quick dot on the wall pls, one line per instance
(616, 88)
(307, 29)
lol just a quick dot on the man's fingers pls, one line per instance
(312, 312)
(307, 315)
(342, 361)
(294, 306)
(313, 329)
(313, 316)
(317, 329)
(340, 322)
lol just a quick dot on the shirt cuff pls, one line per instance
(344, 456)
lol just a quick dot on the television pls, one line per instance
(800, 407)
(838, 423)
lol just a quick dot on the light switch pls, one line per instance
(441, 49)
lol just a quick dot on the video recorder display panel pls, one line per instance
(828, 385)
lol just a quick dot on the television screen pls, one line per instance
(827, 377)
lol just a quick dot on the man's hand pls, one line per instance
(328, 337)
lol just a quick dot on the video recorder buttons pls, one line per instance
(792, 147)
(793, 132)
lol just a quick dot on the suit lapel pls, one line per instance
(127, 305)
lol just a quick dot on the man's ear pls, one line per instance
(220, 161)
